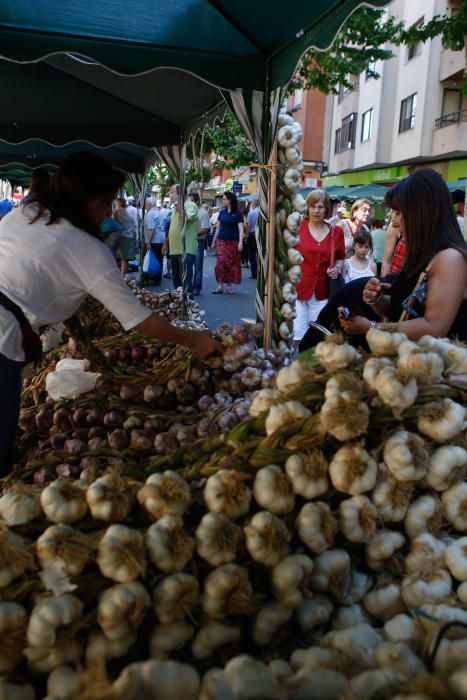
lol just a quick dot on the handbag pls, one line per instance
(414, 305)
(334, 284)
(151, 265)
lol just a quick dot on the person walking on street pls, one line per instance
(154, 233)
(203, 228)
(251, 224)
(128, 235)
(183, 237)
(229, 243)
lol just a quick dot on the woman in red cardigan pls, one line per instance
(317, 240)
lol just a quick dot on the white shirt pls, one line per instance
(49, 270)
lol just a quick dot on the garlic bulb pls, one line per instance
(394, 390)
(357, 642)
(425, 514)
(51, 633)
(228, 591)
(334, 355)
(349, 616)
(289, 239)
(406, 456)
(218, 539)
(212, 636)
(268, 621)
(447, 466)
(293, 222)
(20, 505)
(426, 554)
(358, 586)
(263, 400)
(169, 546)
(101, 649)
(291, 376)
(316, 684)
(227, 493)
(454, 356)
(400, 656)
(15, 556)
(12, 691)
(286, 330)
(157, 680)
(352, 470)
(420, 588)
(382, 343)
(371, 370)
(288, 136)
(289, 578)
(316, 526)
(289, 293)
(121, 610)
(313, 612)
(294, 273)
(382, 547)
(249, 677)
(164, 493)
(168, 638)
(384, 601)
(441, 420)
(273, 491)
(425, 367)
(121, 555)
(175, 597)
(455, 505)
(13, 620)
(109, 498)
(462, 593)
(216, 685)
(315, 657)
(403, 628)
(344, 383)
(308, 474)
(455, 557)
(64, 502)
(368, 684)
(63, 682)
(391, 497)
(288, 312)
(344, 417)
(267, 538)
(358, 518)
(292, 180)
(298, 202)
(67, 544)
(331, 572)
(284, 413)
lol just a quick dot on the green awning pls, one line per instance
(375, 193)
(33, 153)
(227, 43)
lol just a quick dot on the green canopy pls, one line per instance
(375, 193)
(33, 153)
(239, 44)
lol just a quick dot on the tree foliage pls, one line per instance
(228, 142)
(159, 175)
(364, 39)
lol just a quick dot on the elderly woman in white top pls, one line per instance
(359, 215)
(64, 260)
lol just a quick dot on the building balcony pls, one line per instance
(452, 65)
(450, 134)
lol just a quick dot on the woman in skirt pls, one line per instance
(229, 243)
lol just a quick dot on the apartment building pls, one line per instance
(414, 115)
(309, 108)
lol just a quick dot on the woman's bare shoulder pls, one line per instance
(447, 257)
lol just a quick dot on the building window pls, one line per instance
(371, 68)
(452, 101)
(348, 130)
(408, 110)
(337, 142)
(367, 122)
(415, 49)
(297, 98)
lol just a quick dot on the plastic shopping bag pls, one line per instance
(151, 265)
(69, 380)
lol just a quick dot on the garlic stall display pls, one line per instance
(275, 559)
(151, 399)
(290, 208)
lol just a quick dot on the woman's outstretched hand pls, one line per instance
(374, 289)
(203, 344)
(354, 325)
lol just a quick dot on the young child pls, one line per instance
(359, 265)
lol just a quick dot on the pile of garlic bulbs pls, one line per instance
(321, 563)
(156, 399)
(290, 208)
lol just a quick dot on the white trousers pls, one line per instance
(307, 311)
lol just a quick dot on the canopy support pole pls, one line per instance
(270, 249)
(181, 200)
(141, 198)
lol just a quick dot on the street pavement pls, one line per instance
(221, 308)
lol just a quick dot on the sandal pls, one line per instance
(217, 291)
(230, 290)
